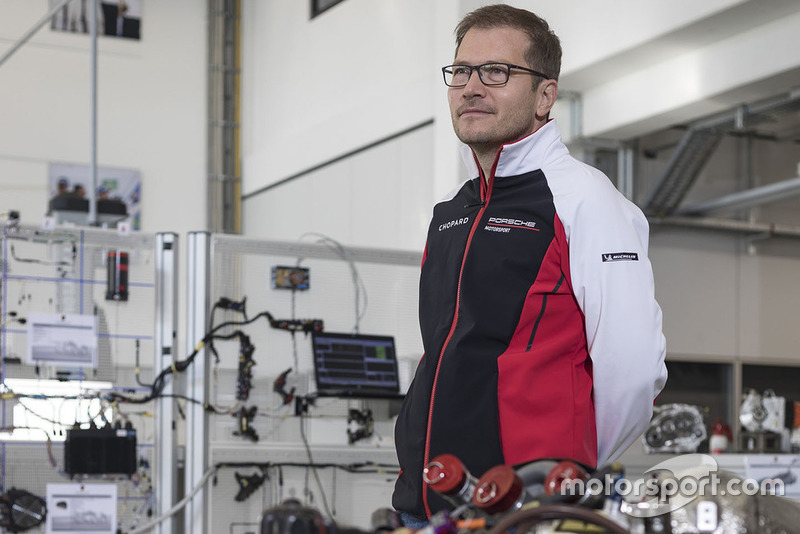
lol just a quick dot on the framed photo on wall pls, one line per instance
(113, 184)
(115, 18)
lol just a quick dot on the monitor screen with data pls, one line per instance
(355, 365)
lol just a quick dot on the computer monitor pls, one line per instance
(355, 365)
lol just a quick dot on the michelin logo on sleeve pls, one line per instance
(620, 256)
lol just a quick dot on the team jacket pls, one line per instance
(541, 332)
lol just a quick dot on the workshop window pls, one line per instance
(319, 6)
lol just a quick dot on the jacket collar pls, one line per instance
(528, 154)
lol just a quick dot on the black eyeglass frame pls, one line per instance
(480, 76)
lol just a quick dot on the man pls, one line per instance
(542, 335)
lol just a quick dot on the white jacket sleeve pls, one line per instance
(613, 283)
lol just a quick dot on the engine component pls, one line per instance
(763, 413)
(291, 517)
(666, 513)
(21, 510)
(298, 325)
(500, 490)
(248, 485)
(362, 425)
(552, 512)
(117, 276)
(279, 387)
(290, 277)
(564, 473)
(731, 511)
(446, 475)
(234, 305)
(244, 377)
(100, 451)
(246, 416)
(385, 520)
(675, 428)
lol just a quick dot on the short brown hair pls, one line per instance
(544, 52)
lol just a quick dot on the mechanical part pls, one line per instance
(117, 276)
(763, 413)
(559, 478)
(21, 510)
(297, 325)
(279, 387)
(658, 524)
(301, 404)
(248, 485)
(12, 218)
(676, 428)
(550, 512)
(707, 516)
(100, 451)
(246, 416)
(596, 494)
(363, 422)
(500, 490)
(385, 520)
(290, 277)
(233, 305)
(244, 377)
(447, 476)
(291, 517)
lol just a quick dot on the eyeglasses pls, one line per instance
(489, 73)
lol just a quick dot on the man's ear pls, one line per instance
(548, 92)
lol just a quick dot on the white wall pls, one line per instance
(379, 198)
(151, 109)
(642, 66)
(315, 89)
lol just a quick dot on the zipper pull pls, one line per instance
(482, 203)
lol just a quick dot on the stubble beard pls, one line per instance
(486, 142)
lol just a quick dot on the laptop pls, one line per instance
(355, 366)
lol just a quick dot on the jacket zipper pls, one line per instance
(484, 202)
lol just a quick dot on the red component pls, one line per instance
(117, 276)
(562, 473)
(445, 474)
(498, 490)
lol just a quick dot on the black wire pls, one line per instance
(38, 261)
(184, 397)
(355, 468)
(138, 380)
(314, 468)
(180, 366)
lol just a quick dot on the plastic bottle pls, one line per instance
(718, 442)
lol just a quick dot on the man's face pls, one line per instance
(487, 117)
